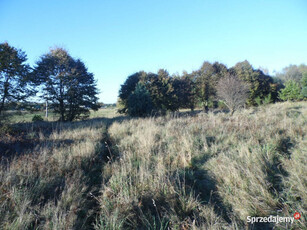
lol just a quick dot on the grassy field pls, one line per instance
(210, 171)
(47, 180)
(26, 116)
(206, 171)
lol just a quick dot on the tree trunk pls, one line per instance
(62, 111)
(2, 105)
(5, 93)
(61, 100)
(206, 108)
(46, 109)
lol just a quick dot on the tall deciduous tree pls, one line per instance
(67, 84)
(15, 81)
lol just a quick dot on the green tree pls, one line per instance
(304, 92)
(275, 87)
(185, 91)
(304, 85)
(206, 79)
(127, 88)
(139, 102)
(260, 84)
(160, 87)
(67, 84)
(304, 80)
(15, 81)
(292, 92)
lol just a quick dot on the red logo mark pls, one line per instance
(297, 215)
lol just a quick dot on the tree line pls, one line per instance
(71, 89)
(65, 81)
(213, 84)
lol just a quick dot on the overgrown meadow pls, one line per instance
(181, 171)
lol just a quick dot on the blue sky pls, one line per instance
(117, 38)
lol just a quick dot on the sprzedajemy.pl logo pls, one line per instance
(273, 219)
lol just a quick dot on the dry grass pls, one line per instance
(26, 116)
(47, 187)
(210, 171)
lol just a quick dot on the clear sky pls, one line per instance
(116, 38)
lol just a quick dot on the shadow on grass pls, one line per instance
(23, 138)
(90, 210)
(196, 112)
(201, 183)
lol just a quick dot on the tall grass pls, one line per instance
(210, 171)
(48, 186)
(207, 171)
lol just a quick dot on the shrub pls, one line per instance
(37, 118)
(304, 92)
(258, 101)
(267, 99)
(6, 129)
(291, 92)
(304, 80)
